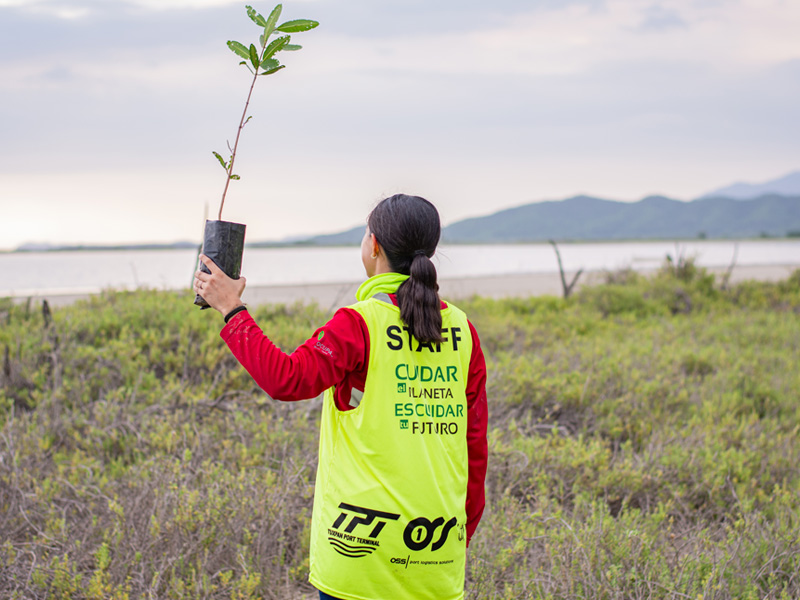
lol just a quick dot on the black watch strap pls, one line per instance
(234, 312)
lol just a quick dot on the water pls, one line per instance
(80, 272)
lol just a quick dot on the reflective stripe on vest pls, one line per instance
(389, 506)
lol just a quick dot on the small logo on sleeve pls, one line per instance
(322, 347)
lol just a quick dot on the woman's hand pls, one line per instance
(220, 291)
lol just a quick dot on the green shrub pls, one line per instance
(643, 444)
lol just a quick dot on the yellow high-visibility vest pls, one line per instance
(389, 519)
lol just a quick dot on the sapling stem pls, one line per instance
(236, 145)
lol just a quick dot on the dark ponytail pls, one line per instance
(407, 229)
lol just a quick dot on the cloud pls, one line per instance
(359, 18)
(509, 101)
(658, 18)
(579, 37)
(511, 36)
(59, 8)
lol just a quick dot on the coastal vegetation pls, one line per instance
(643, 444)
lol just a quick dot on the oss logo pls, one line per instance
(420, 532)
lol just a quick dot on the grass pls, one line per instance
(643, 444)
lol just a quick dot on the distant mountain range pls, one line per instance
(44, 247)
(742, 210)
(656, 217)
(587, 218)
(788, 185)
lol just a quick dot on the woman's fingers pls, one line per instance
(212, 266)
(220, 291)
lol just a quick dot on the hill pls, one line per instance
(345, 238)
(655, 217)
(788, 185)
(589, 218)
(47, 247)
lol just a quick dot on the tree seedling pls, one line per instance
(260, 61)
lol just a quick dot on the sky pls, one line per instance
(110, 110)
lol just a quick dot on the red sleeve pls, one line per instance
(477, 447)
(333, 353)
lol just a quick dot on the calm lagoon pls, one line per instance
(79, 272)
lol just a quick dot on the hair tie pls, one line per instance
(420, 253)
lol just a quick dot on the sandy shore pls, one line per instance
(333, 295)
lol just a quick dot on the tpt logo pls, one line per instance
(355, 531)
(362, 516)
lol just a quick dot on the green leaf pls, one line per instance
(221, 160)
(292, 47)
(272, 20)
(275, 70)
(254, 56)
(269, 64)
(235, 177)
(255, 17)
(239, 49)
(297, 26)
(262, 39)
(276, 45)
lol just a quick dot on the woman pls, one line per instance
(402, 451)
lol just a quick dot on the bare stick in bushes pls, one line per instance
(567, 287)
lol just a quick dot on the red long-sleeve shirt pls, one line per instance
(340, 358)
